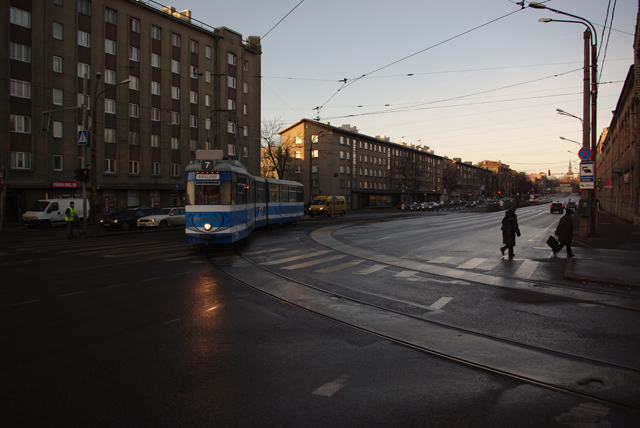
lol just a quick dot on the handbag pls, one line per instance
(553, 243)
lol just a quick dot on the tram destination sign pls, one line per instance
(207, 177)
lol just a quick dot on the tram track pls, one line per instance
(608, 383)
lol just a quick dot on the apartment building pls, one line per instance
(149, 84)
(368, 171)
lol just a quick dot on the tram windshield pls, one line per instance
(207, 194)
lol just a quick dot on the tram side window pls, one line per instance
(208, 194)
(300, 191)
(284, 193)
(227, 193)
(260, 192)
(242, 190)
(292, 194)
(274, 191)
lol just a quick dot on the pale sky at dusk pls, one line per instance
(471, 79)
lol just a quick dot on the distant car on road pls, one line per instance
(163, 218)
(430, 206)
(556, 207)
(127, 218)
(571, 205)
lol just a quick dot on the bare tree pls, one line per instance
(275, 154)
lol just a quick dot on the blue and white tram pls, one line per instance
(225, 203)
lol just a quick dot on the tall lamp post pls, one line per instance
(573, 141)
(94, 145)
(588, 224)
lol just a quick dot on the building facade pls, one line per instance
(372, 171)
(150, 85)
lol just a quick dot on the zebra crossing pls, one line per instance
(328, 261)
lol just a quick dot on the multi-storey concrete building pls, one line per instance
(149, 83)
(372, 171)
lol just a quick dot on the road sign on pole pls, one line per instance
(83, 138)
(585, 153)
(587, 175)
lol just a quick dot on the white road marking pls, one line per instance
(313, 262)
(441, 302)
(406, 274)
(442, 259)
(328, 389)
(25, 303)
(371, 269)
(73, 294)
(292, 259)
(473, 263)
(340, 266)
(526, 269)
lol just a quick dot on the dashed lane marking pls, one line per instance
(442, 259)
(472, 264)
(340, 266)
(293, 259)
(371, 269)
(313, 262)
(328, 389)
(441, 302)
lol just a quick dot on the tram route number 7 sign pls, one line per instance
(207, 165)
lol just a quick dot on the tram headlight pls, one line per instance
(207, 227)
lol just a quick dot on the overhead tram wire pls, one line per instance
(604, 56)
(346, 82)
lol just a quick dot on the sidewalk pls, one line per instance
(611, 257)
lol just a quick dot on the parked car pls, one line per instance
(430, 206)
(163, 218)
(556, 207)
(414, 206)
(126, 218)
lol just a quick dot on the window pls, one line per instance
(231, 104)
(207, 100)
(245, 87)
(314, 154)
(84, 69)
(155, 168)
(155, 60)
(193, 145)
(110, 77)
(175, 66)
(57, 2)
(175, 169)
(193, 97)
(109, 135)
(20, 124)
(245, 66)
(193, 45)
(155, 140)
(246, 131)
(84, 39)
(110, 16)
(84, 7)
(20, 52)
(175, 143)
(57, 97)
(134, 25)
(231, 127)
(134, 167)
(20, 17)
(134, 83)
(57, 31)
(207, 52)
(134, 138)
(109, 166)
(155, 88)
(109, 46)
(57, 163)
(109, 106)
(207, 124)
(20, 160)
(175, 40)
(245, 109)
(297, 154)
(207, 76)
(193, 121)
(175, 118)
(193, 71)
(155, 32)
(57, 129)
(155, 114)
(20, 88)
(231, 149)
(298, 140)
(175, 92)
(231, 58)
(231, 82)
(133, 110)
(134, 54)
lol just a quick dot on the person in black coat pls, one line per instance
(564, 232)
(509, 231)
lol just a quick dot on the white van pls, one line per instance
(50, 212)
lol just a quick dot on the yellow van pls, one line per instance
(328, 205)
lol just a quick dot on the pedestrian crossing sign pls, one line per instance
(83, 138)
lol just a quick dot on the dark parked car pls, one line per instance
(556, 207)
(127, 218)
(430, 206)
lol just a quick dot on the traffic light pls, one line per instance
(78, 174)
(549, 173)
(86, 175)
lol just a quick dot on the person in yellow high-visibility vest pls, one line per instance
(70, 217)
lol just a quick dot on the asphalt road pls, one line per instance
(139, 329)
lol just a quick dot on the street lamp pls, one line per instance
(564, 113)
(590, 37)
(573, 141)
(94, 143)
